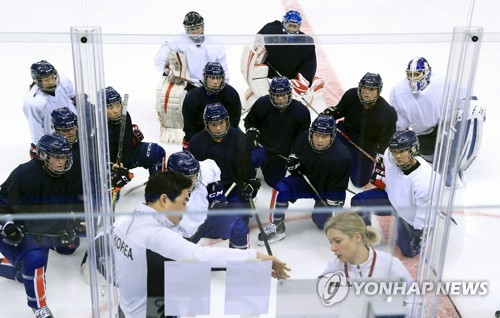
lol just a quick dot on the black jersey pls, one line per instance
(30, 189)
(231, 155)
(371, 129)
(328, 171)
(195, 102)
(278, 129)
(128, 142)
(289, 60)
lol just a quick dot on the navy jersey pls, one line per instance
(29, 189)
(328, 171)
(128, 142)
(371, 129)
(195, 102)
(278, 129)
(289, 60)
(231, 155)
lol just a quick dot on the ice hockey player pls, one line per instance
(369, 122)
(418, 103)
(206, 193)
(48, 91)
(181, 60)
(145, 240)
(295, 59)
(214, 90)
(272, 124)
(228, 147)
(319, 166)
(407, 189)
(38, 186)
(136, 152)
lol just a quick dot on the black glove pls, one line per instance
(11, 234)
(33, 151)
(253, 137)
(216, 195)
(120, 177)
(416, 239)
(250, 189)
(138, 135)
(293, 165)
(379, 166)
(67, 237)
(330, 111)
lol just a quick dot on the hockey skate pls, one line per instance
(274, 232)
(43, 312)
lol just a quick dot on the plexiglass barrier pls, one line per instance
(126, 63)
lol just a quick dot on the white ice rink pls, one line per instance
(373, 39)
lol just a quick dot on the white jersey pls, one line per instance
(421, 110)
(142, 243)
(198, 202)
(409, 194)
(196, 56)
(38, 105)
(385, 265)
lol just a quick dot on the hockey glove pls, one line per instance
(253, 137)
(11, 234)
(330, 111)
(67, 237)
(378, 173)
(416, 240)
(33, 151)
(138, 136)
(120, 177)
(250, 189)
(293, 165)
(300, 84)
(216, 197)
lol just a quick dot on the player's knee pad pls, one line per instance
(284, 192)
(239, 235)
(34, 259)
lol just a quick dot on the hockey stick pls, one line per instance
(120, 144)
(259, 225)
(357, 147)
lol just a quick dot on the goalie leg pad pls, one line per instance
(169, 99)
(472, 136)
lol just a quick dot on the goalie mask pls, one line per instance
(418, 74)
(55, 153)
(45, 76)
(369, 88)
(213, 77)
(322, 133)
(403, 147)
(186, 164)
(292, 20)
(113, 105)
(216, 119)
(194, 26)
(280, 92)
(64, 123)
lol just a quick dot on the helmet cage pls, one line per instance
(292, 21)
(406, 140)
(322, 125)
(41, 70)
(418, 74)
(193, 21)
(215, 113)
(370, 80)
(54, 146)
(280, 86)
(214, 70)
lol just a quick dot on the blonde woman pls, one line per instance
(351, 242)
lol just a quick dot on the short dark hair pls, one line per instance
(170, 183)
